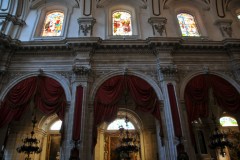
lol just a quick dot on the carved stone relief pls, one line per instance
(225, 26)
(86, 26)
(158, 24)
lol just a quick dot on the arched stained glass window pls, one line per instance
(120, 122)
(122, 24)
(56, 125)
(53, 24)
(187, 25)
(228, 121)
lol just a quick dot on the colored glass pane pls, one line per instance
(53, 24)
(56, 125)
(121, 23)
(120, 122)
(228, 121)
(187, 25)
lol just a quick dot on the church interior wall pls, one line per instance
(91, 56)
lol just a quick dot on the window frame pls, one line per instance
(238, 16)
(193, 11)
(42, 13)
(123, 11)
(195, 21)
(48, 13)
(134, 25)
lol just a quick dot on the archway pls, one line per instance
(208, 96)
(38, 95)
(109, 98)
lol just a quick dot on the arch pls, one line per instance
(109, 93)
(189, 7)
(42, 11)
(192, 75)
(60, 79)
(133, 117)
(148, 79)
(46, 121)
(131, 9)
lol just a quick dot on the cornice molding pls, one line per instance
(96, 43)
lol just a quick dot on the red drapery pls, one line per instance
(77, 114)
(174, 110)
(110, 92)
(196, 96)
(48, 96)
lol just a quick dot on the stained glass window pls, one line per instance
(122, 23)
(187, 25)
(56, 125)
(228, 121)
(53, 24)
(120, 122)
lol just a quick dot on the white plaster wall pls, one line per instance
(205, 19)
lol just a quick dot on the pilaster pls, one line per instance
(233, 49)
(82, 73)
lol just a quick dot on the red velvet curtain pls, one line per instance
(110, 92)
(50, 98)
(17, 100)
(196, 96)
(77, 114)
(225, 94)
(174, 110)
(105, 104)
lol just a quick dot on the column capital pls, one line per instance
(158, 24)
(168, 72)
(86, 26)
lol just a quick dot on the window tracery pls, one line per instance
(187, 25)
(53, 24)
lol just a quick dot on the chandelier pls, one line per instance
(129, 142)
(219, 140)
(30, 144)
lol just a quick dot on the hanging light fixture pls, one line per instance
(30, 144)
(218, 139)
(129, 140)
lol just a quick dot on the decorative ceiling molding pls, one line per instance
(103, 3)
(205, 4)
(37, 3)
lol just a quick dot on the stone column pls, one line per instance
(233, 51)
(81, 77)
(160, 138)
(186, 139)
(167, 73)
